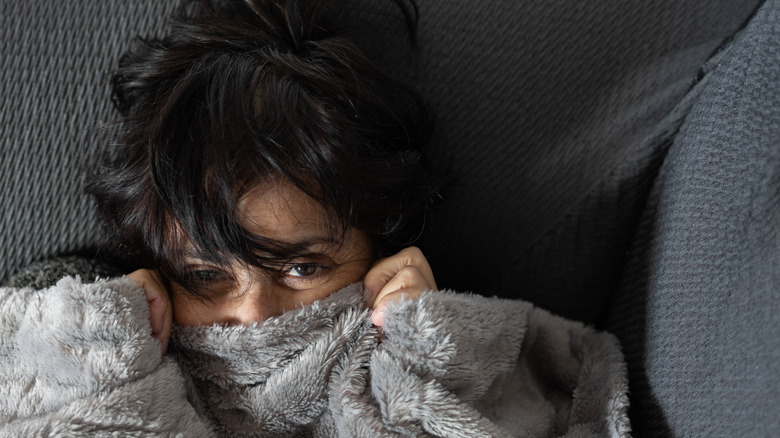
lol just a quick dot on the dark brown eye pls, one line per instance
(303, 269)
(305, 272)
(204, 275)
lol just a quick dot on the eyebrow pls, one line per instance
(308, 242)
(299, 247)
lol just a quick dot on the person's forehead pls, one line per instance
(279, 210)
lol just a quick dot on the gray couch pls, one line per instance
(614, 162)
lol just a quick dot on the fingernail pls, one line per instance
(378, 317)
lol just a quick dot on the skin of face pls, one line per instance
(282, 212)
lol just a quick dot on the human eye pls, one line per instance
(303, 270)
(205, 280)
(302, 273)
(204, 275)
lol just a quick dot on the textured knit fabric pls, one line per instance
(699, 308)
(552, 118)
(78, 359)
(57, 58)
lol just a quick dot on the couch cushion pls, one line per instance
(552, 119)
(57, 60)
(698, 310)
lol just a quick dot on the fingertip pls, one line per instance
(378, 317)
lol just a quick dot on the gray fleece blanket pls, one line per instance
(78, 359)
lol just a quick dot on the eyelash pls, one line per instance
(290, 267)
(205, 275)
(211, 278)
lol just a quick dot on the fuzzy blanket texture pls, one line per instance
(78, 359)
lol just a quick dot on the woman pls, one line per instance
(268, 164)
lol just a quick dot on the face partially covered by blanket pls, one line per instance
(447, 364)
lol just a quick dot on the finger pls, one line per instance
(165, 333)
(409, 277)
(378, 315)
(384, 270)
(160, 309)
(154, 296)
(160, 305)
(408, 283)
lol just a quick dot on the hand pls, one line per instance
(160, 309)
(404, 275)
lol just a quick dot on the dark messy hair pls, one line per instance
(241, 93)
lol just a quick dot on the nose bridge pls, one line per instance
(258, 298)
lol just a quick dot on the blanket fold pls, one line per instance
(447, 364)
(80, 361)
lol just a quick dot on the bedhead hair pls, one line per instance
(240, 93)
